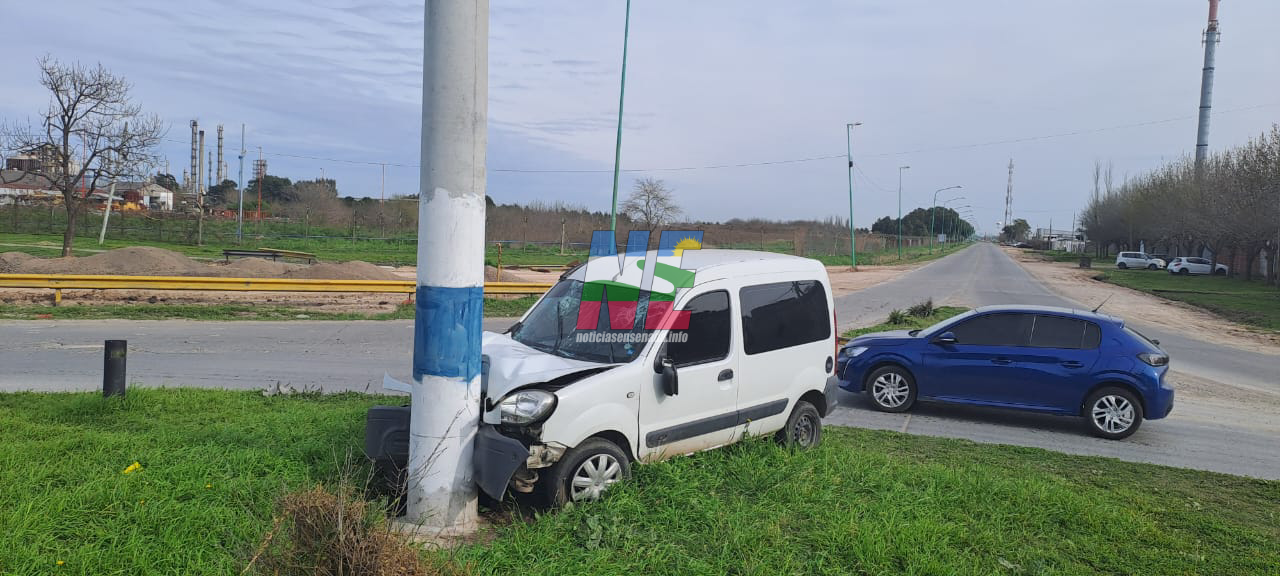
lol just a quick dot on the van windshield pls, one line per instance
(552, 327)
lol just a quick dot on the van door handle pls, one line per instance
(725, 374)
(1072, 364)
(1001, 361)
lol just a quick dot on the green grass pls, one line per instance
(1254, 303)
(399, 251)
(1059, 255)
(865, 502)
(910, 322)
(213, 463)
(493, 307)
(910, 255)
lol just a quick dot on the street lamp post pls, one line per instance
(947, 215)
(933, 212)
(617, 148)
(853, 247)
(952, 226)
(900, 169)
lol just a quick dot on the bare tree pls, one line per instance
(91, 132)
(651, 203)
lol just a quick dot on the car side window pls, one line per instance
(783, 314)
(1057, 332)
(1092, 336)
(707, 338)
(1007, 329)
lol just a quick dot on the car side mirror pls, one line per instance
(670, 379)
(1155, 341)
(945, 338)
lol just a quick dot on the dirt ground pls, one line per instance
(147, 261)
(1078, 284)
(1220, 403)
(845, 281)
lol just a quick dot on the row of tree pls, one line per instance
(1229, 206)
(926, 222)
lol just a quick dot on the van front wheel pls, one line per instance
(803, 429)
(584, 473)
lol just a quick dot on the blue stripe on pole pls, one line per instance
(446, 332)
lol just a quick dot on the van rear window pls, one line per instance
(783, 314)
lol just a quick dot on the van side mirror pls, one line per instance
(945, 338)
(670, 379)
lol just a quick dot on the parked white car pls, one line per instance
(1139, 260)
(1183, 265)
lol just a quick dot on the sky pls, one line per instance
(952, 89)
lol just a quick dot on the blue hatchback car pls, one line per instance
(1044, 359)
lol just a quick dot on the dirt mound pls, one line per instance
(132, 261)
(16, 263)
(353, 270)
(491, 275)
(255, 268)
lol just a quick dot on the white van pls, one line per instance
(567, 411)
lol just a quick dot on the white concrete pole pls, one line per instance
(447, 327)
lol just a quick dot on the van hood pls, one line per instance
(513, 365)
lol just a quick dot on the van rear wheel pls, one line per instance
(1122, 265)
(803, 429)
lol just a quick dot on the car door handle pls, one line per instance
(725, 375)
(1001, 361)
(1072, 364)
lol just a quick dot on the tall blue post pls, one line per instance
(450, 295)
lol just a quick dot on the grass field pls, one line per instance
(213, 463)
(390, 251)
(909, 321)
(403, 251)
(1254, 303)
(493, 307)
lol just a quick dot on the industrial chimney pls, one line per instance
(1206, 86)
(220, 168)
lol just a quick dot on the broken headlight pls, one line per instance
(526, 406)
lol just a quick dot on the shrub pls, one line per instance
(922, 310)
(897, 317)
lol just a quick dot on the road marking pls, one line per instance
(905, 423)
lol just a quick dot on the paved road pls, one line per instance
(335, 356)
(1194, 436)
(67, 355)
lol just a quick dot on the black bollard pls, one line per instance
(113, 368)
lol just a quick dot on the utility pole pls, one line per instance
(933, 213)
(445, 394)
(200, 193)
(383, 197)
(1206, 88)
(900, 169)
(622, 92)
(1008, 200)
(853, 244)
(240, 192)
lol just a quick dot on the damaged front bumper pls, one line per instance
(500, 461)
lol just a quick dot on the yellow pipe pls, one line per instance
(60, 282)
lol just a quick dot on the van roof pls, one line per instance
(714, 263)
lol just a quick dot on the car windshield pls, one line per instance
(936, 328)
(552, 327)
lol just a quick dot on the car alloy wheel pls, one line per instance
(890, 390)
(1113, 414)
(1152, 267)
(594, 476)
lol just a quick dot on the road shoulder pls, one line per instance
(1077, 284)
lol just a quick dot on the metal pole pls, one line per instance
(1206, 88)
(900, 169)
(447, 325)
(853, 244)
(617, 148)
(240, 192)
(113, 368)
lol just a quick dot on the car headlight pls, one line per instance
(853, 351)
(526, 406)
